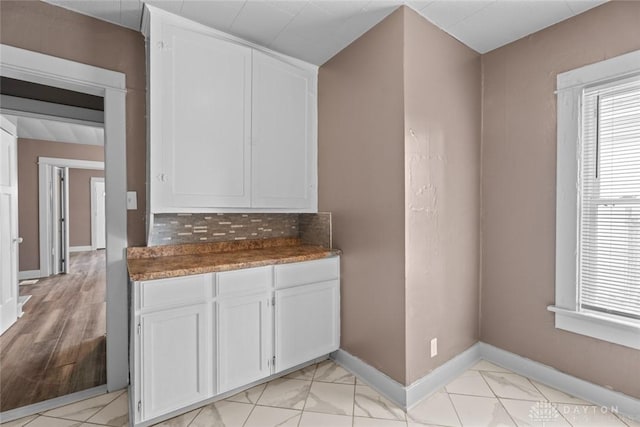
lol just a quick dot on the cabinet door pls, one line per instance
(244, 340)
(307, 323)
(284, 145)
(206, 121)
(175, 358)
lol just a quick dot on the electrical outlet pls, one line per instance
(434, 347)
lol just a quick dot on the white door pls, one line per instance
(176, 356)
(206, 121)
(244, 340)
(283, 167)
(307, 323)
(8, 225)
(98, 218)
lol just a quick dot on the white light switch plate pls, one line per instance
(132, 200)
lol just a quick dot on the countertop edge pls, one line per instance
(166, 274)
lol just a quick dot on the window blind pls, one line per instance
(609, 230)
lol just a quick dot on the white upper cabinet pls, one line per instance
(206, 121)
(232, 126)
(283, 166)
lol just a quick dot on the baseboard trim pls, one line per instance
(29, 274)
(408, 396)
(613, 400)
(80, 248)
(384, 384)
(442, 375)
(25, 411)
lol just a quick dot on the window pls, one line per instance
(598, 201)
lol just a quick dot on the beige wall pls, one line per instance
(361, 176)
(442, 194)
(80, 205)
(28, 152)
(52, 30)
(399, 156)
(518, 194)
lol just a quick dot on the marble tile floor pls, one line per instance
(326, 395)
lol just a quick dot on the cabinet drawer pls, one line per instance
(301, 273)
(244, 281)
(174, 291)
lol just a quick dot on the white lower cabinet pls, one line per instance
(177, 358)
(196, 337)
(244, 340)
(307, 323)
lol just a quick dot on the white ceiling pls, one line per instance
(49, 130)
(315, 30)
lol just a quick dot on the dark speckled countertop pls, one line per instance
(159, 262)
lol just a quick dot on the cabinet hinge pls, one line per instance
(273, 361)
(273, 301)
(139, 328)
(139, 405)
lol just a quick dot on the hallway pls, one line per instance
(58, 346)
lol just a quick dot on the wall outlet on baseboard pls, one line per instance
(434, 347)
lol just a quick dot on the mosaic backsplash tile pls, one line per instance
(315, 229)
(178, 228)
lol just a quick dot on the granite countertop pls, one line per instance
(159, 262)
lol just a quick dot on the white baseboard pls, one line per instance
(36, 408)
(442, 375)
(625, 405)
(29, 274)
(407, 396)
(384, 384)
(80, 248)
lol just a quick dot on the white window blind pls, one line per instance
(609, 227)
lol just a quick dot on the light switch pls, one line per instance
(132, 200)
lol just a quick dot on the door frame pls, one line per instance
(44, 208)
(44, 69)
(94, 208)
(9, 127)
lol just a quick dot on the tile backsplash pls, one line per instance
(177, 228)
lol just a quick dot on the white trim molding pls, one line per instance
(408, 396)
(94, 208)
(56, 402)
(29, 274)
(614, 329)
(44, 205)
(44, 69)
(602, 396)
(80, 248)
(568, 314)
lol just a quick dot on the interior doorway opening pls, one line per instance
(57, 345)
(65, 74)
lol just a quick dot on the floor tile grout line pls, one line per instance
(504, 408)
(455, 410)
(554, 404)
(255, 404)
(353, 407)
(200, 409)
(119, 393)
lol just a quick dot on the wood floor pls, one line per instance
(58, 346)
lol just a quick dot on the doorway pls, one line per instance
(38, 68)
(57, 346)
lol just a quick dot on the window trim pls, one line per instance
(568, 315)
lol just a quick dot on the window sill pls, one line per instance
(600, 326)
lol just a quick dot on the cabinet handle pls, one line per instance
(162, 177)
